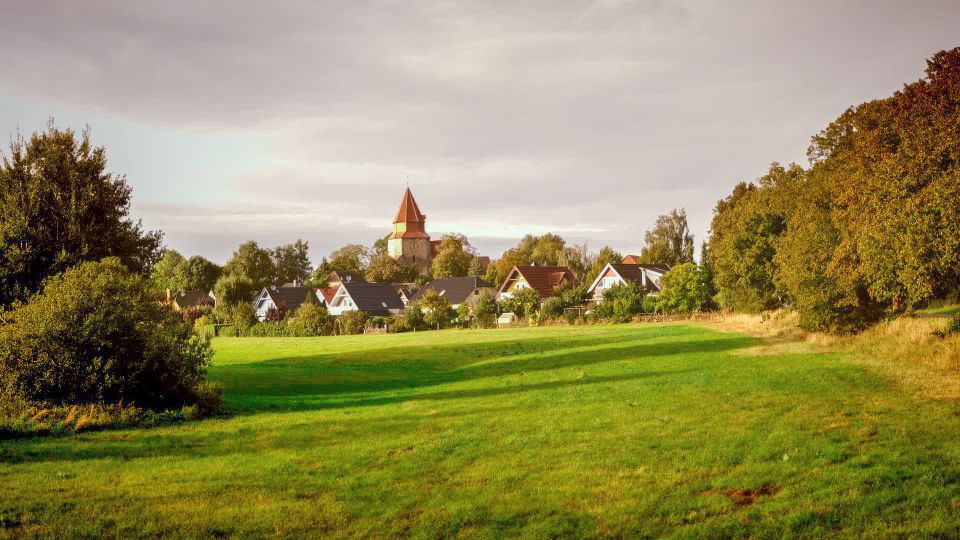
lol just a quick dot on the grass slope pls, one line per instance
(630, 430)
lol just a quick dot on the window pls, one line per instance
(609, 282)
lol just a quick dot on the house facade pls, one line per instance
(646, 275)
(289, 297)
(456, 290)
(373, 298)
(543, 279)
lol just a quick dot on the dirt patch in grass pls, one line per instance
(400, 451)
(742, 497)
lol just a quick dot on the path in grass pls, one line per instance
(619, 430)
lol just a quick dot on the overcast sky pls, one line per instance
(304, 119)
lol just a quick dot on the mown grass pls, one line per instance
(633, 430)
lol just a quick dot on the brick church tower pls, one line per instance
(409, 243)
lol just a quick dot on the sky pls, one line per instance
(273, 121)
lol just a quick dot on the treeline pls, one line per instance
(870, 228)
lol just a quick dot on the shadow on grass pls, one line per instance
(335, 380)
(201, 443)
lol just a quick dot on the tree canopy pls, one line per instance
(58, 207)
(670, 241)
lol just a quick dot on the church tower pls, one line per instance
(409, 243)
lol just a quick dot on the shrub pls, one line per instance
(193, 313)
(683, 290)
(242, 317)
(267, 329)
(485, 311)
(522, 303)
(953, 327)
(552, 308)
(437, 312)
(353, 322)
(311, 319)
(95, 335)
(413, 317)
(276, 313)
(620, 303)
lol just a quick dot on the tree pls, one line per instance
(684, 289)
(476, 268)
(96, 335)
(546, 250)
(453, 257)
(485, 311)
(350, 259)
(59, 207)
(231, 290)
(670, 241)
(170, 272)
(201, 274)
(384, 268)
(252, 262)
(436, 310)
(413, 317)
(746, 229)
(291, 263)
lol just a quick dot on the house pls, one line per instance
(181, 300)
(287, 297)
(405, 291)
(373, 298)
(456, 290)
(543, 279)
(325, 295)
(645, 275)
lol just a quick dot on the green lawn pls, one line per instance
(633, 430)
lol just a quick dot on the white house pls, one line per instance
(645, 275)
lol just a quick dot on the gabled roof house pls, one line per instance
(373, 298)
(289, 295)
(543, 279)
(181, 300)
(645, 275)
(456, 290)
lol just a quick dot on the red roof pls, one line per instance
(328, 293)
(630, 259)
(542, 279)
(409, 212)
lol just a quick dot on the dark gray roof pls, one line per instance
(186, 299)
(344, 277)
(374, 298)
(457, 288)
(292, 296)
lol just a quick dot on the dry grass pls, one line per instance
(904, 349)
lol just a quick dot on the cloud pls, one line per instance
(584, 117)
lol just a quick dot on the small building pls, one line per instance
(181, 300)
(543, 279)
(646, 275)
(456, 290)
(372, 298)
(287, 297)
(506, 319)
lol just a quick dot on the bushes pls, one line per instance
(95, 335)
(485, 311)
(683, 290)
(620, 303)
(311, 319)
(353, 322)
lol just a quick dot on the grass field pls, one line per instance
(632, 430)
